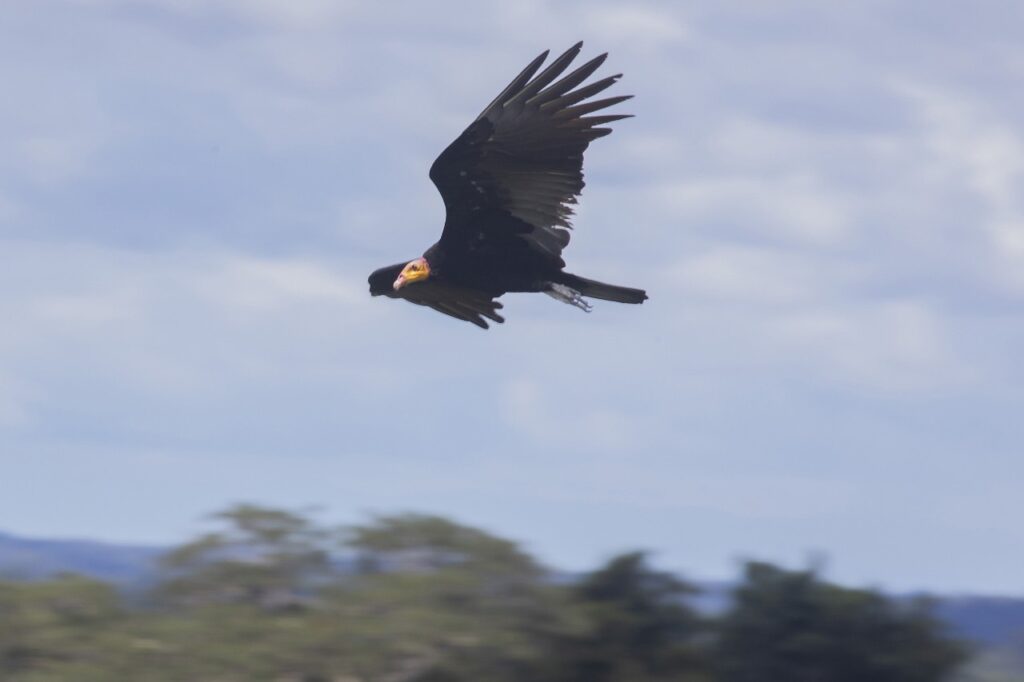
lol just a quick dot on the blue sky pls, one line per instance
(825, 202)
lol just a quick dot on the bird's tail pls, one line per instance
(606, 292)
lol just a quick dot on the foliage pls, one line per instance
(271, 596)
(637, 626)
(262, 557)
(789, 626)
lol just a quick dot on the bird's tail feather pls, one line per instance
(606, 292)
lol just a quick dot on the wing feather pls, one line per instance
(523, 156)
(464, 304)
(549, 74)
(583, 93)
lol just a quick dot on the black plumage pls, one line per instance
(508, 183)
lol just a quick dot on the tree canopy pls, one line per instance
(272, 595)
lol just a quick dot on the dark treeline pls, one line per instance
(272, 596)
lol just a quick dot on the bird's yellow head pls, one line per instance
(414, 271)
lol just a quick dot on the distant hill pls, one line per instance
(33, 559)
(990, 621)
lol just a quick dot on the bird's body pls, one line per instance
(508, 183)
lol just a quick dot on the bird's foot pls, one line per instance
(568, 295)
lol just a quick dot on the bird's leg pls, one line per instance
(568, 295)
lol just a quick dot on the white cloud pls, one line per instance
(636, 25)
(763, 275)
(265, 284)
(974, 147)
(891, 345)
(305, 14)
(556, 420)
(172, 324)
(796, 209)
(959, 131)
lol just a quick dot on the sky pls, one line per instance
(824, 201)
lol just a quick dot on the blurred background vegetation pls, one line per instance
(271, 595)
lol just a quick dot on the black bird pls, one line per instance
(508, 183)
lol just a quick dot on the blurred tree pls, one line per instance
(424, 599)
(263, 557)
(413, 543)
(789, 626)
(452, 602)
(637, 627)
(62, 629)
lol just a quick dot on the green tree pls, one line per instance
(414, 598)
(447, 601)
(789, 626)
(60, 629)
(412, 543)
(269, 558)
(636, 627)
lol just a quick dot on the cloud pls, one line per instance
(972, 146)
(304, 14)
(264, 284)
(565, 423)
(647, 27)
(164, 326)
(894, 345)
(759, 276)
(792, 209)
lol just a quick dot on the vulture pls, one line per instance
(509, 182)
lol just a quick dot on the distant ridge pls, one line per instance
(992, 620)
(33, 559)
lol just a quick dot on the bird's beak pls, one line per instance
(413, 271)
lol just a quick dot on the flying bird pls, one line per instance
(508, 183)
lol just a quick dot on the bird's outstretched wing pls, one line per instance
(461, 303)
(523, 157)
